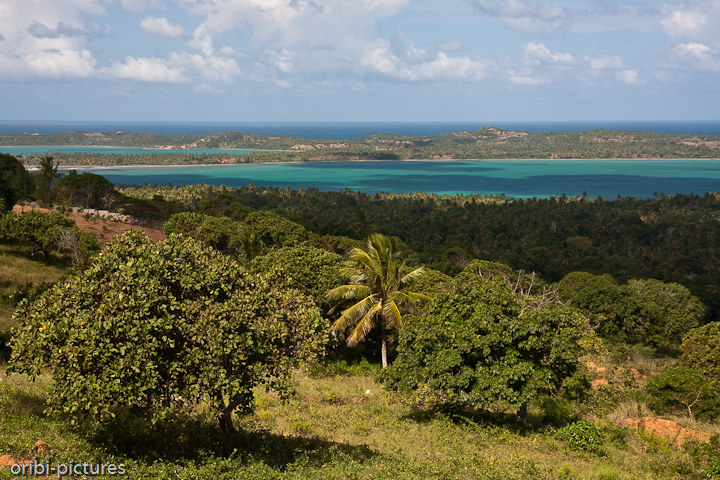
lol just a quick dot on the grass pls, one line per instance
(19, 274)
(333, 429)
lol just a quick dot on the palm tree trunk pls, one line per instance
(383, 351)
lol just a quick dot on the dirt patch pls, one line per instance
(670, 431)
(104, 230)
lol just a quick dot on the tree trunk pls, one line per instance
(383, 351)
(225, 418)
(522, 413)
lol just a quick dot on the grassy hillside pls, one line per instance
(333, 429)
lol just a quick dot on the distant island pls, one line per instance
(486, 143)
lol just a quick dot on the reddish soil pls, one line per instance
(668, 430)
(104, 230)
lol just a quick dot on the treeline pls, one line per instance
(669, 238)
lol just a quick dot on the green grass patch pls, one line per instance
(21, 276)
(363, 433)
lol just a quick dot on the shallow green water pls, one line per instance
(521, 178)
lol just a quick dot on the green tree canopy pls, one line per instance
(15, 181)
(651, 312)
(472, 347)
(276, 231)
(87, 190)
(701, 350)
(377, 293)
(150, 325)
(305, 268)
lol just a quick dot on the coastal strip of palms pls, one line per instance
(376, 292)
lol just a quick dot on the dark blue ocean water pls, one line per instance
(349, 130)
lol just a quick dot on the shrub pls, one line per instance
(683, 390)
(707, 457)
(701, 350)
(41, 229)
(582, 435)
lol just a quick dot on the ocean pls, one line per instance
(514, 178)
(350, 130)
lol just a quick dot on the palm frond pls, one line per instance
(392, 313)
(351, 315)
(363, 326)
(348, 292)
(414, 274)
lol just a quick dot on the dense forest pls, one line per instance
(669, 238)
(486, 143)
(293, 334)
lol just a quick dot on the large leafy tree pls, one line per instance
(151, 325)
(473, 347)
(87, 190)
(377, 292)
(15, 182)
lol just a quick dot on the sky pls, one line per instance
(359, 60)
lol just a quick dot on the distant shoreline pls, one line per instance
(108, 167)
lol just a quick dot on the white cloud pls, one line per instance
(528, 80)
(605, 62)
(48, 40)
(695, 20)
(175, 68)
(529, 17)
(446, 68)
(161, 27)
(317, 39)
(681, 23)
(453, 46)
(147, 70)
(539, 54)
(50, 64)
(698, 55)
(630, 77)
(405, 50)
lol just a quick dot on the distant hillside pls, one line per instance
(486, 143)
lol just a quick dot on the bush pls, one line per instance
(582, 436)
(681, 391)
(701, 350)
(40, 230)
(707, 457)
(152, 325)
(473, 347)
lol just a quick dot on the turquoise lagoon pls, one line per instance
(514, 178)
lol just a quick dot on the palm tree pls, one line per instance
(376, 291)
(48, 173)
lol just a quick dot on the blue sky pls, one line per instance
(359, 60)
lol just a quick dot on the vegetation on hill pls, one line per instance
(486, 143)
(551, 330)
